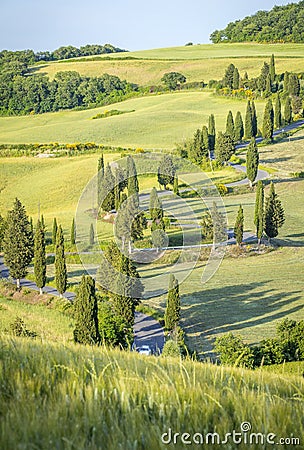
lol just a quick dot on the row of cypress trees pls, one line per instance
(269, 215)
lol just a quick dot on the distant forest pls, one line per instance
(281, 24)
(64, 52)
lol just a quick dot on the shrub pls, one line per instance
(18, 328)
(223, 190)
(171, 348)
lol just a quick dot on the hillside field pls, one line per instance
(158, 121)
(93, 398)
(198, 62)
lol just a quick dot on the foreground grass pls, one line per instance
(158, 121)
(90, 398)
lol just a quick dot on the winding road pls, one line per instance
(147, 330)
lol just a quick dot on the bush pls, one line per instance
(18, 328)
(233, 351)
(223, 190)
(171, 348)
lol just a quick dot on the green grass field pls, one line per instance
(158, 122)
(197, 63)
(69, 397)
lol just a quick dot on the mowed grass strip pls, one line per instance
(158, 121)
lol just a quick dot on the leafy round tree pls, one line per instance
(39, 257)
(172, 313)
(268, 121)
(60, 265)
(252, 161)
(17, 242)
(259, 210)
(224, 148)
(274, 217)
(173, 80)
(166, 171)
(239, 226)
(86, 313)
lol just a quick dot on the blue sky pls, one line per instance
(129, 24)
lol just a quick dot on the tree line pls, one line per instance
(23, 94)
(63, 52)
(280, 24)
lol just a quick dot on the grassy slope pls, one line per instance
(158, 121)
(247, 296)
(91, 398)
(203, 62)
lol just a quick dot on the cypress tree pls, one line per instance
(254, 119)
(196, 148)
(224, 148)
(228, 77)
(252, 161)
(73, 232)
(230, 126)
(17, 242)
(236, 79)
(238, 128)
(2, 229)
(288, 111)
(172, 313)
(248, 122)
(268, 86)
(274, 216)
(107, 191)
(60, 265)
(219, 225)
(286, 82)
(42, 222)
(211, 132)
(205, 142)
(133, 187)
(156, 211)
(294, 85)
(86, 313)
(262, 80)
(277, 112)
(272, 69)
(268, 121)
(39, 257)
(166, 171)
(128, 290)
(259, 210)
(31, 225)
(175, 185)
(239, 226)
(54, 232)
(92, 235)
(100, 175)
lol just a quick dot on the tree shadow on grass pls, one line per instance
(233, 308)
